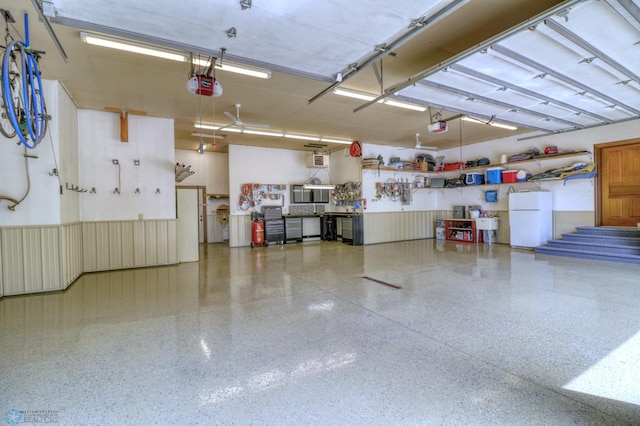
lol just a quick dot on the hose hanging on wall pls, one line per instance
(13, 200)
(23, 97)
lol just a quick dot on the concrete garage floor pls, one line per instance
(463, 334)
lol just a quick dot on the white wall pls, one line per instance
(42, 204)
(66, 126)
(151, 140)
(211, 170)
(267, 166)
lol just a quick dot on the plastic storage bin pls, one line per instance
(474, 178)
(509, 176)
(494, 174)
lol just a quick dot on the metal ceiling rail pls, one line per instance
(382, 50)
(423, 74)
(548, 71)
(599, 54)
(475, 96)
(536, 95)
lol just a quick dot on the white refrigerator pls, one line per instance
(530, 218)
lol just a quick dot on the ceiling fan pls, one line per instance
(419, 144)
(236, 121)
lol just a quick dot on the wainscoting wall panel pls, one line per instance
(31, 261)
(72, 252)
(239, 230)
(398, 226)
(129, 244)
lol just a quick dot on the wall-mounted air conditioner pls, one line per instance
(318, 160)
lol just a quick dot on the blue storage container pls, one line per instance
(474, 178)
(494, 174)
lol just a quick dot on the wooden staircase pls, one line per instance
(610, 243)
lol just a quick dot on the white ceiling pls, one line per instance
(479, 58)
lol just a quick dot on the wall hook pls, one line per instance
(137, 190)
(116, 191)
(116, 162)
(136, 162)
(93, 190)
(53, 172)
(157, 190)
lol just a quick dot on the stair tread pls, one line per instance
(605, 236)
(559, 249)
(594, 244)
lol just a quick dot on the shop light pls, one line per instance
(236, 68)
(404, 105)
(491, 123)
(173, 55)
(207, 135)
(262, 132)
(317, 186)
(129, 46)
(367, 97)
(331, 140)
(302, 137)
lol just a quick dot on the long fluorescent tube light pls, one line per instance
(367, 97)
(317, 186)
(404, 105)
(236, 68)
(262, 133)
(129, 46)
(301, 137)
(354, 94)
(217, 127)
(331, 140)
(500, 125)
(207, 135)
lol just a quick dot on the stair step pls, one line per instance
(620, 231)
(582, 254)
(596, 247)
(604, 239)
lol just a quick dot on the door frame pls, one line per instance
(597, 158)
(203, 206)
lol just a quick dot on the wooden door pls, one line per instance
(619, 175)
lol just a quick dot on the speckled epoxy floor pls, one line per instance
(476, 335)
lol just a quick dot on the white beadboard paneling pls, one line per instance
(151, 243)
(31, 260)
(72, 253)
(12, 261)
(398, 226)
(1, 269)
(129, 244)
(239, 231)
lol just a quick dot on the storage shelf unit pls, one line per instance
(461, 230)
(477, 168)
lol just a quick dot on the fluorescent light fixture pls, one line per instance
(129, 46)
(236, 68)
(207, 135)
(331, 140)
(262, 133)
(217, 127)
(478, 121)
(317, 186)
(206, 126)
(301, 137)
(354, 94)
(143, 49)
(405, 105)
(367, 97)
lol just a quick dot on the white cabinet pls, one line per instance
(311, 228)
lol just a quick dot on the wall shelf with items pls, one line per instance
(218, 196)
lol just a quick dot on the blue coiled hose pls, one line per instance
(34, 125)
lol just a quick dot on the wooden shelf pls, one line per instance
(218, 196)
(463, 230)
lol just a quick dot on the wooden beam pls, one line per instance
(124, 126)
